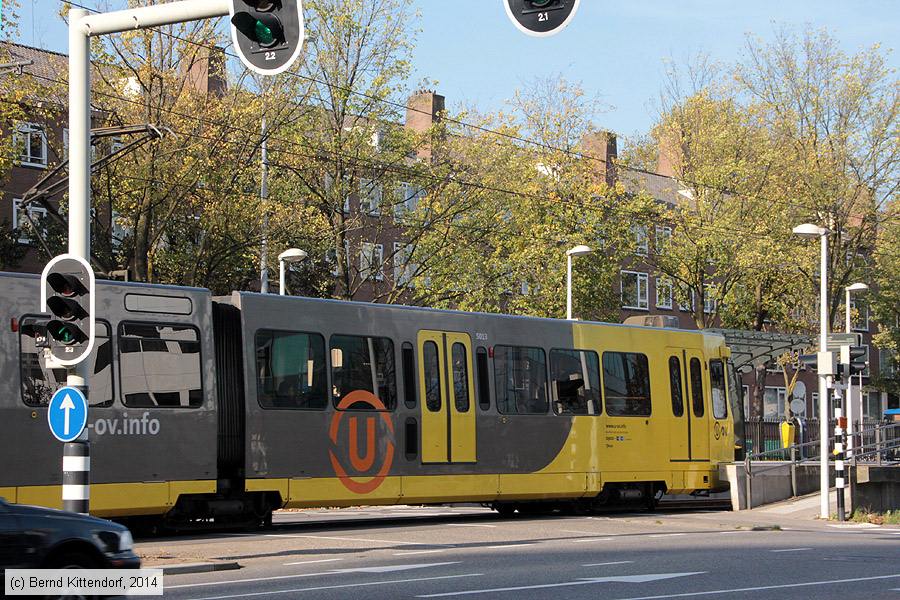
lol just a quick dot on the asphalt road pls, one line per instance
(468, 552)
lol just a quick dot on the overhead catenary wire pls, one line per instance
(507, 135)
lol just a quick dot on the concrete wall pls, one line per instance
(876, 489)
(770, 482)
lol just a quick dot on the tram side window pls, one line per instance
(409, 375)
(39, 383)
(675, 383)
(520, 379)
(576, 382)
(484, 386)
(363, 363)
(290, 370)
(697, 387)
(160, 365)
(717, 381)
(460, 364)
(626, 384)
(432, 369)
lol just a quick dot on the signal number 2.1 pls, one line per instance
(543, 17)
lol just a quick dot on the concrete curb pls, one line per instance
(202, 567)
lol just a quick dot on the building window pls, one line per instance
(887, 364)
(290, 370)
(160, 365)
(371, 261)
(370, 197)
(404, 268)
(709, 301)
(634, 290)
(663, 238)
(626, 384)
(773, 402)
(663, 293)
(27, 233)
(40, 382)
(576, 382)
(641, 240)
(520, 380)
(363, 363)
(30, 141)
(859, 309)
(406, 198)
(685, 298)
(872, 408)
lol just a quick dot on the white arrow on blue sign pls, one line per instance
(67, 414)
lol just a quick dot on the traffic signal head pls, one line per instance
(853, 360)
(67, 293)
(541, 17)
(268, 34)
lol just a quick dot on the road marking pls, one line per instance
(309, 562)
(662, 535)
(349, 539)
(410, 553)
(593, 539)
(582, 581)
(321, 573)
(468, 525)
(765, 587)
(498, 546)
(618, 562)
(791, 550)
(336, 587)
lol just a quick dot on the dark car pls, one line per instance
(34, 537)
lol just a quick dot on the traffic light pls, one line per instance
(541, 18)
(853, 360)
(67, 293)
(267, 34)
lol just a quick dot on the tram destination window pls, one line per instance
(520, 379)
(39, 383)
(675, 383)
(290, 370)
(626, 384)
(575, 376)
(160, 365)
(717, 381)
(363, 363)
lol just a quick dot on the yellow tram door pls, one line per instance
(448, 407)
(699, 388)
(680, 432)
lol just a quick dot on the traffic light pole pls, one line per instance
(82, 26)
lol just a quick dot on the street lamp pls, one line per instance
(810, 231)
(291, 255)
(579, 250)
(854, 400)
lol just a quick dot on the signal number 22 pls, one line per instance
(270, 56)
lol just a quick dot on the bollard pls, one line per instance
(76, 477)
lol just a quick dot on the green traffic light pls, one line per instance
(263, 34)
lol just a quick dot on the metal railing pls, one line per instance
(874, 442)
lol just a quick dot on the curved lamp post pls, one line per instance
(291, 255)
(579, 250)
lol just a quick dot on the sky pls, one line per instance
(617, 49)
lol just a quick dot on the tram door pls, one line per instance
(697, 407)
(680, 434)
(448, 410)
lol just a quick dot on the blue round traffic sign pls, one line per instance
(67, 414)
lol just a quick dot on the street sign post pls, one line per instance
(67, 414)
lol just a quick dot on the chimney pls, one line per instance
(423, 110)
(669, 157)
(206, 71)
(602, 145)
